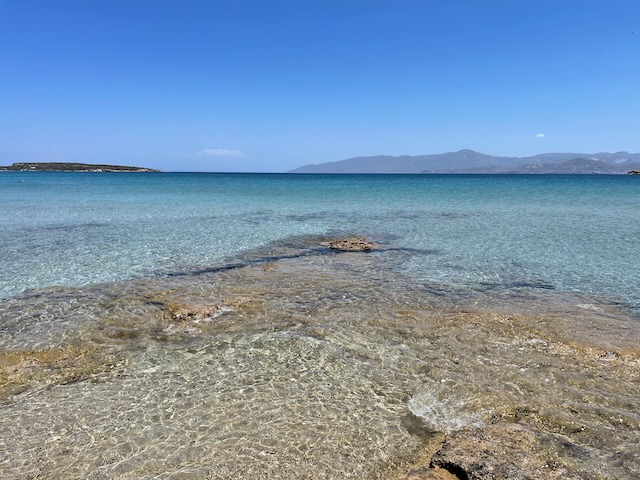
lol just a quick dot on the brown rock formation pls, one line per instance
(353, 244)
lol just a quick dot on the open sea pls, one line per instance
(196, 325)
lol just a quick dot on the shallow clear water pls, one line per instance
(197, 326)
(572, 233)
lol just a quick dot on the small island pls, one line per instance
(633, 172)
(71, 167)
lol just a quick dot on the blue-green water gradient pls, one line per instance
(480, 232)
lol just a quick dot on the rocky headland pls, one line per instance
(71, 167)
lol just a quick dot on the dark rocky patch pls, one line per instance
(72, 167)
(354, 244)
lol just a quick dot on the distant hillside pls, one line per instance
(577, 166)
(73, 167)
(469, 161)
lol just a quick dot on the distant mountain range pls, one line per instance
(468, 161)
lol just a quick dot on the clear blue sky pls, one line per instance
(260, 85)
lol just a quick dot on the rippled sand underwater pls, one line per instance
(302, 362)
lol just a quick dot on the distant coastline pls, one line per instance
(471, 162)
(71, 167)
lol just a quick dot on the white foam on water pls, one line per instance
(442, 416)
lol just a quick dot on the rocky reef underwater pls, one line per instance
(317, 358)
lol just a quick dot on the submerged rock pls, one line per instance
(198, 312)
(353, 244)
(27, 369)
(501, 451)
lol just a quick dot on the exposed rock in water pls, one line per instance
(501, 451)
(354, 244)
(633, 172)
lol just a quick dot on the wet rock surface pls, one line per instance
(353, 244)
(502, 451)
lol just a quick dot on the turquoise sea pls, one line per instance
(474, 232)
(199, 326)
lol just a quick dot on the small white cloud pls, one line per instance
(221, 153)
(540, 135)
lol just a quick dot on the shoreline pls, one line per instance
(330, 365)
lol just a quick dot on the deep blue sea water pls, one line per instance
(475, 232)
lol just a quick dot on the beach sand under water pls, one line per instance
(298, 361)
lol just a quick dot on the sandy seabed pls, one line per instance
(302, 362)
